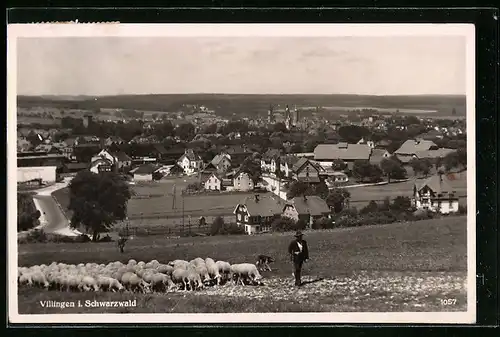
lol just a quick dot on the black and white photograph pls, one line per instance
(241, 173)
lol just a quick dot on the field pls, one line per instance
(361, 196)
(155, 202)
(227, 104)
(396, 267)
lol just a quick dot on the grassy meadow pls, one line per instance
(396, 267)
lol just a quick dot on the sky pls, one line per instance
(244, 65)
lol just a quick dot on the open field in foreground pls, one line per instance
(396, 267)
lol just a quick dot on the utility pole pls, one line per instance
(173, 197)
(182, 213)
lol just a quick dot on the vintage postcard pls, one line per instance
(185, 173)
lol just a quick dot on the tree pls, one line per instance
(212, 128)
(451, 161)
(98, 200)
(298, 189)
(252, 166)
(217, 226)
(366, 172)
(353, 133)
(185, 131)
(279, 127)
(401, 204)
(337, 199)
(392, 169)
(338, 165)
(163, 130)
(372, 207)
(423, 166)
(27, 214)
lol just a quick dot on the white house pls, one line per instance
(436, 195)
(190, 162)
(242, 182)
(100, 164)
(46, 174)
(213, 183)
(143, 172)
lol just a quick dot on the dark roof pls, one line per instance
(145, 169)
(377, 156)
(412, 146)
(268, 205)
(437, 184)
(121, 156)
(313, 179)
(77, 166)
(218, 158)
(160, 148)
(342, 151)
(191, 155)
(312, 205)
(271, 153)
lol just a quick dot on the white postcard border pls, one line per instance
(15, 31)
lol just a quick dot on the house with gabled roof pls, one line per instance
(190, 161)
(101, 164)
(221, 162)
(268, 158)
(257, 212)
(411, 147)
(307, 208)
(435, 195)
(213, 182)
(349, 153)
(305, 170)
(242, 181)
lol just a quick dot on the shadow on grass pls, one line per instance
(312, 281)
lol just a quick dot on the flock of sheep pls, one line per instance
(138, 276)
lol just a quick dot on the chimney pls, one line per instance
(257, 198)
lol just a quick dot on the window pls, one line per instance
(246, 218)
(239, 217)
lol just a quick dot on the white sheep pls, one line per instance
(38, 278)
(180, 264)
(109, 283)
(25, 279)
(194, 280)
(165, 269)
(181, 276)
(133, 282)
(224, 269)
(244, 271)
(88, 283)
(213, 270)
(161, 282)
(203, 272)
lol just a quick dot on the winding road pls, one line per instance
(53, 219)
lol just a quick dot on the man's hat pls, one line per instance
(298, 234)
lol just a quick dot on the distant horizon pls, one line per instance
(352, 65)
(244, 94)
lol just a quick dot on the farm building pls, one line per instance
(242, 182)
(101, 164)
(143, 172)
(257, 212)
(378, 155)
(307, 171)
(221, 162)
(190, 161)
(325, 154)
(411, 147)
(306, 208)
(213, 182)
(436, 195)
(45, 174)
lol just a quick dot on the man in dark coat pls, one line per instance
(299, 253)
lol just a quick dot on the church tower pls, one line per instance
(288, 119)
(270, 115)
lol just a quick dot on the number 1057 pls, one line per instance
(448, 301)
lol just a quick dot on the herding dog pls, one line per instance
(263, 262)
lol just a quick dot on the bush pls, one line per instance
(462, 209)
(300, 225)
(370, 208)
(323, 223)
(219, 227)
(283, 224)
(27, 214)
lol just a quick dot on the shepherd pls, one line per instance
(121, 243)
(299, 253)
